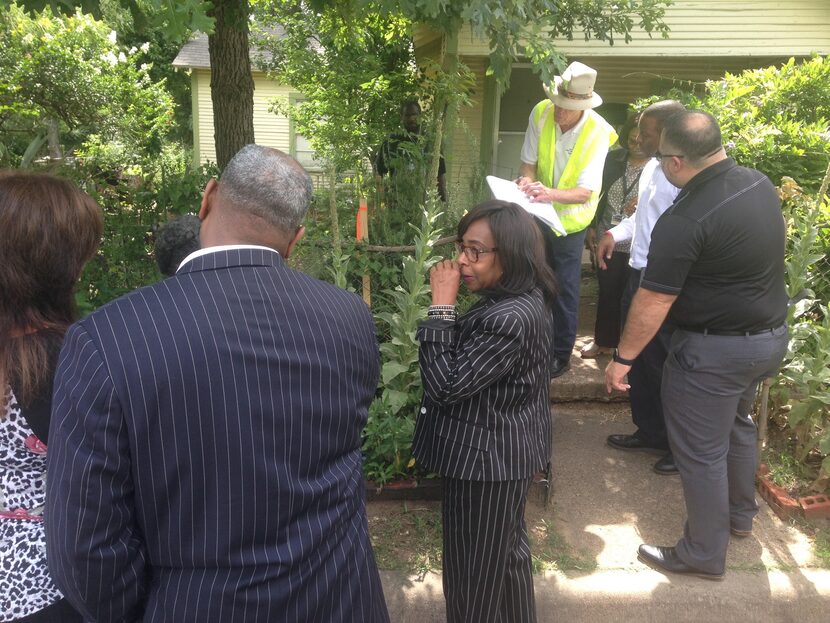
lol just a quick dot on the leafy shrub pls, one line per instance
(773, 119)
(70, 74)
(777, 119)
(135, 201)
(388, 433)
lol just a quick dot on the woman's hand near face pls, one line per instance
(445, 279)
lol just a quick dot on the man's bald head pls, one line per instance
(693, 133)
(651, 124)
(662, 110)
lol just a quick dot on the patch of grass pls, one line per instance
(786, 472)
(406, 536)
(426, 528)
(822, 547)
(552, 552)
(380, 531)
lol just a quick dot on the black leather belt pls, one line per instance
(726, 333)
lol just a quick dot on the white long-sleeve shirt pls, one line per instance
(655, 195)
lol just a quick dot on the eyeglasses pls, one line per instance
(472, 253)
(660, 156)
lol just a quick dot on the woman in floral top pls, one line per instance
(49, 231)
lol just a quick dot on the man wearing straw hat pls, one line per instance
(562, 160)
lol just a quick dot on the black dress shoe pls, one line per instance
(632, 443)
(666, 559)
(559, 367)
(666, 466)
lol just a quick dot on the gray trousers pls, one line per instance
(709, 384)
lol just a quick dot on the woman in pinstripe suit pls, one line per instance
(484, 423)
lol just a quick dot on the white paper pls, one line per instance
(507, 190)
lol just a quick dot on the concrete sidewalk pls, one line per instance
(605, 503)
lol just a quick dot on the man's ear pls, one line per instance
(297, 235)
(207, 196)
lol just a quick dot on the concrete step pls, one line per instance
(585, 381)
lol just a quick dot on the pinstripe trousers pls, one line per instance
(487, 573)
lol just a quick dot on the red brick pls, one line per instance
(815, 506)
(779, 500)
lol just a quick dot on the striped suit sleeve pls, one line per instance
(95, 551)
(453, 370)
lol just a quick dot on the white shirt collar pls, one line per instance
(222, 247)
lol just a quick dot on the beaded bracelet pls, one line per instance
(442, 312)
(433, 314)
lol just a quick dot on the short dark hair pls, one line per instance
(694, 133)
(410, 102)
(662, 110)
(521, 248)
(175, 240)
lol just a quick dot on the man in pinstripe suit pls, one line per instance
(205, 445)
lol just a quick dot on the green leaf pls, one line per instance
(798, 413)
(396, 400)
(391, 370)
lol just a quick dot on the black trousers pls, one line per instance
(487, 566)
(646, 377)
(612, 282)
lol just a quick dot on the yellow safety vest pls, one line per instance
(596, 135)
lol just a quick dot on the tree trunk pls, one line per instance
(231, 84)
(53, 133)
(449, 65)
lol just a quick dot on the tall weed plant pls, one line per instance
(803, 388)
(388, 433)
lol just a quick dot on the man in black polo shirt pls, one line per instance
(716, 268)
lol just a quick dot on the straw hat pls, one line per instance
(574, 89)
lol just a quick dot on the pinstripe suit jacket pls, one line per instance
(204, 451)
(486, 409)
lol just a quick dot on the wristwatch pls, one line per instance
(620, 359)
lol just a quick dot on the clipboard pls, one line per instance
(507, 190)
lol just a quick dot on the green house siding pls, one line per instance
(708, 38)
(194, 103)
(703, 28)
